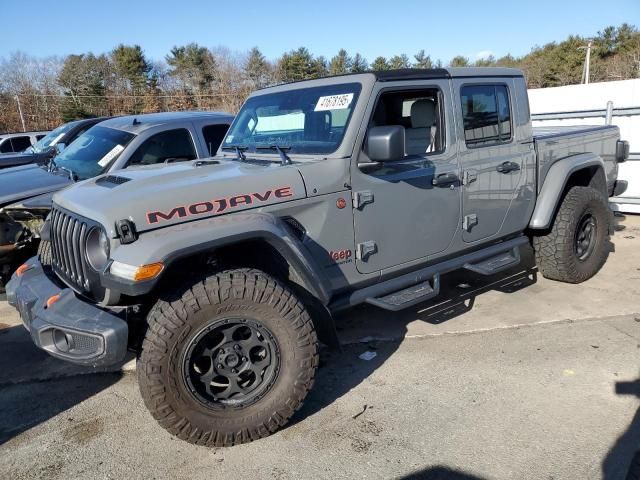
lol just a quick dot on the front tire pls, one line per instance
(228, 359)
(577, 246)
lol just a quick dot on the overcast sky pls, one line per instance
(473, 28)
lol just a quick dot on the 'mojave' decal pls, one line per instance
(220, 205)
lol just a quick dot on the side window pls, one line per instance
(486, 115)
(170, 146)
(15, 144)
(421, 114)
(213, 135)
(40, 137)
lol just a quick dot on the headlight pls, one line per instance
(97, 249)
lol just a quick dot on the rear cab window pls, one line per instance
(213, 135)
(486, 115)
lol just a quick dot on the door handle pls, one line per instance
(507, 167)
(445, 179)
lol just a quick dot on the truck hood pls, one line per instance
(158, 196)
(19, 183)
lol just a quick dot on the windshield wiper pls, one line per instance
(284, 159)
(72, 176)
(53, 167)
(239, 149)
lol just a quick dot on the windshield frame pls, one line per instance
(54, 135)
(60, 159)
(356, 84)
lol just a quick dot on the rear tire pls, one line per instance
(227, 359)
(578, 244)
(44, 252)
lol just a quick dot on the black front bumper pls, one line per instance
(71, 329)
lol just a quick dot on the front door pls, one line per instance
(493, 162)
(408, 210)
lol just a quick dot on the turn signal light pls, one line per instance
(22, 268)
(53, 299)
(147, 272)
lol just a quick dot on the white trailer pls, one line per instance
(617, 103)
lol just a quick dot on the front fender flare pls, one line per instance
(554, 184)
(170, 244)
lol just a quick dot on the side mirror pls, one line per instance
(60, 147)
(386, 144)
(622, 151)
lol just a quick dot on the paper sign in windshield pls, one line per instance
(334, 102)
(110, 155)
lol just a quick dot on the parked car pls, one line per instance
(50, 145)
(19, 142)
(114, 144)
(328, 193)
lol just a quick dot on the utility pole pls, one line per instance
(24, 128)
(587, 62)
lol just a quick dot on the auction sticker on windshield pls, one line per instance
(110, 155)
(334, 102)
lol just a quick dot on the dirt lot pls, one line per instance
(510, 377)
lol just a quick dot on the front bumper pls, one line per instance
(71, 329)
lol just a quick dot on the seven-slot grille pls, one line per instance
(68, 237)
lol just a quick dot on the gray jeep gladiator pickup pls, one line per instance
(223, 273)
(113, 144)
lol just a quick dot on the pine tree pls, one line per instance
(459, 61)
(359, 64)
(422, 60)
(399, 61)
(341, 63)
(380, 64)
(257, 69)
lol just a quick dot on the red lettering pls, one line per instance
(240, 200)
(198, 208)
(284, 192)
(263, 198)
(155, 217)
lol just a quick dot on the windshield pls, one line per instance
(308, 120)
(50, 139)
(93, 151)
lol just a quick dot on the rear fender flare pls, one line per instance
(554, 186)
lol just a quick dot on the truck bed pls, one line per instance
(555, 143)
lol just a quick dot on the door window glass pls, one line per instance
(486, 115)
(170, 146)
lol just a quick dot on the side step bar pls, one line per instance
(412, 286)
(408, 297)
(496, 264)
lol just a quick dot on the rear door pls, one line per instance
(492, 160)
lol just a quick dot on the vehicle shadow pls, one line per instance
(623, 459)
(341, 371)
(439, 472)
(35, 387)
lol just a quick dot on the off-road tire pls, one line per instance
(173, 323)
(555, 252)
(44, 252)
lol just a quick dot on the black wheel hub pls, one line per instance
(232, 362)
(585, 240)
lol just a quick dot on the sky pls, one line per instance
(473, 28)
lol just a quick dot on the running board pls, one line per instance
(409, 283)
(409, 296)
(495, 264)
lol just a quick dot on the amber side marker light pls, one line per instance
(147, 272)
(53, 299)
(22, 268)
